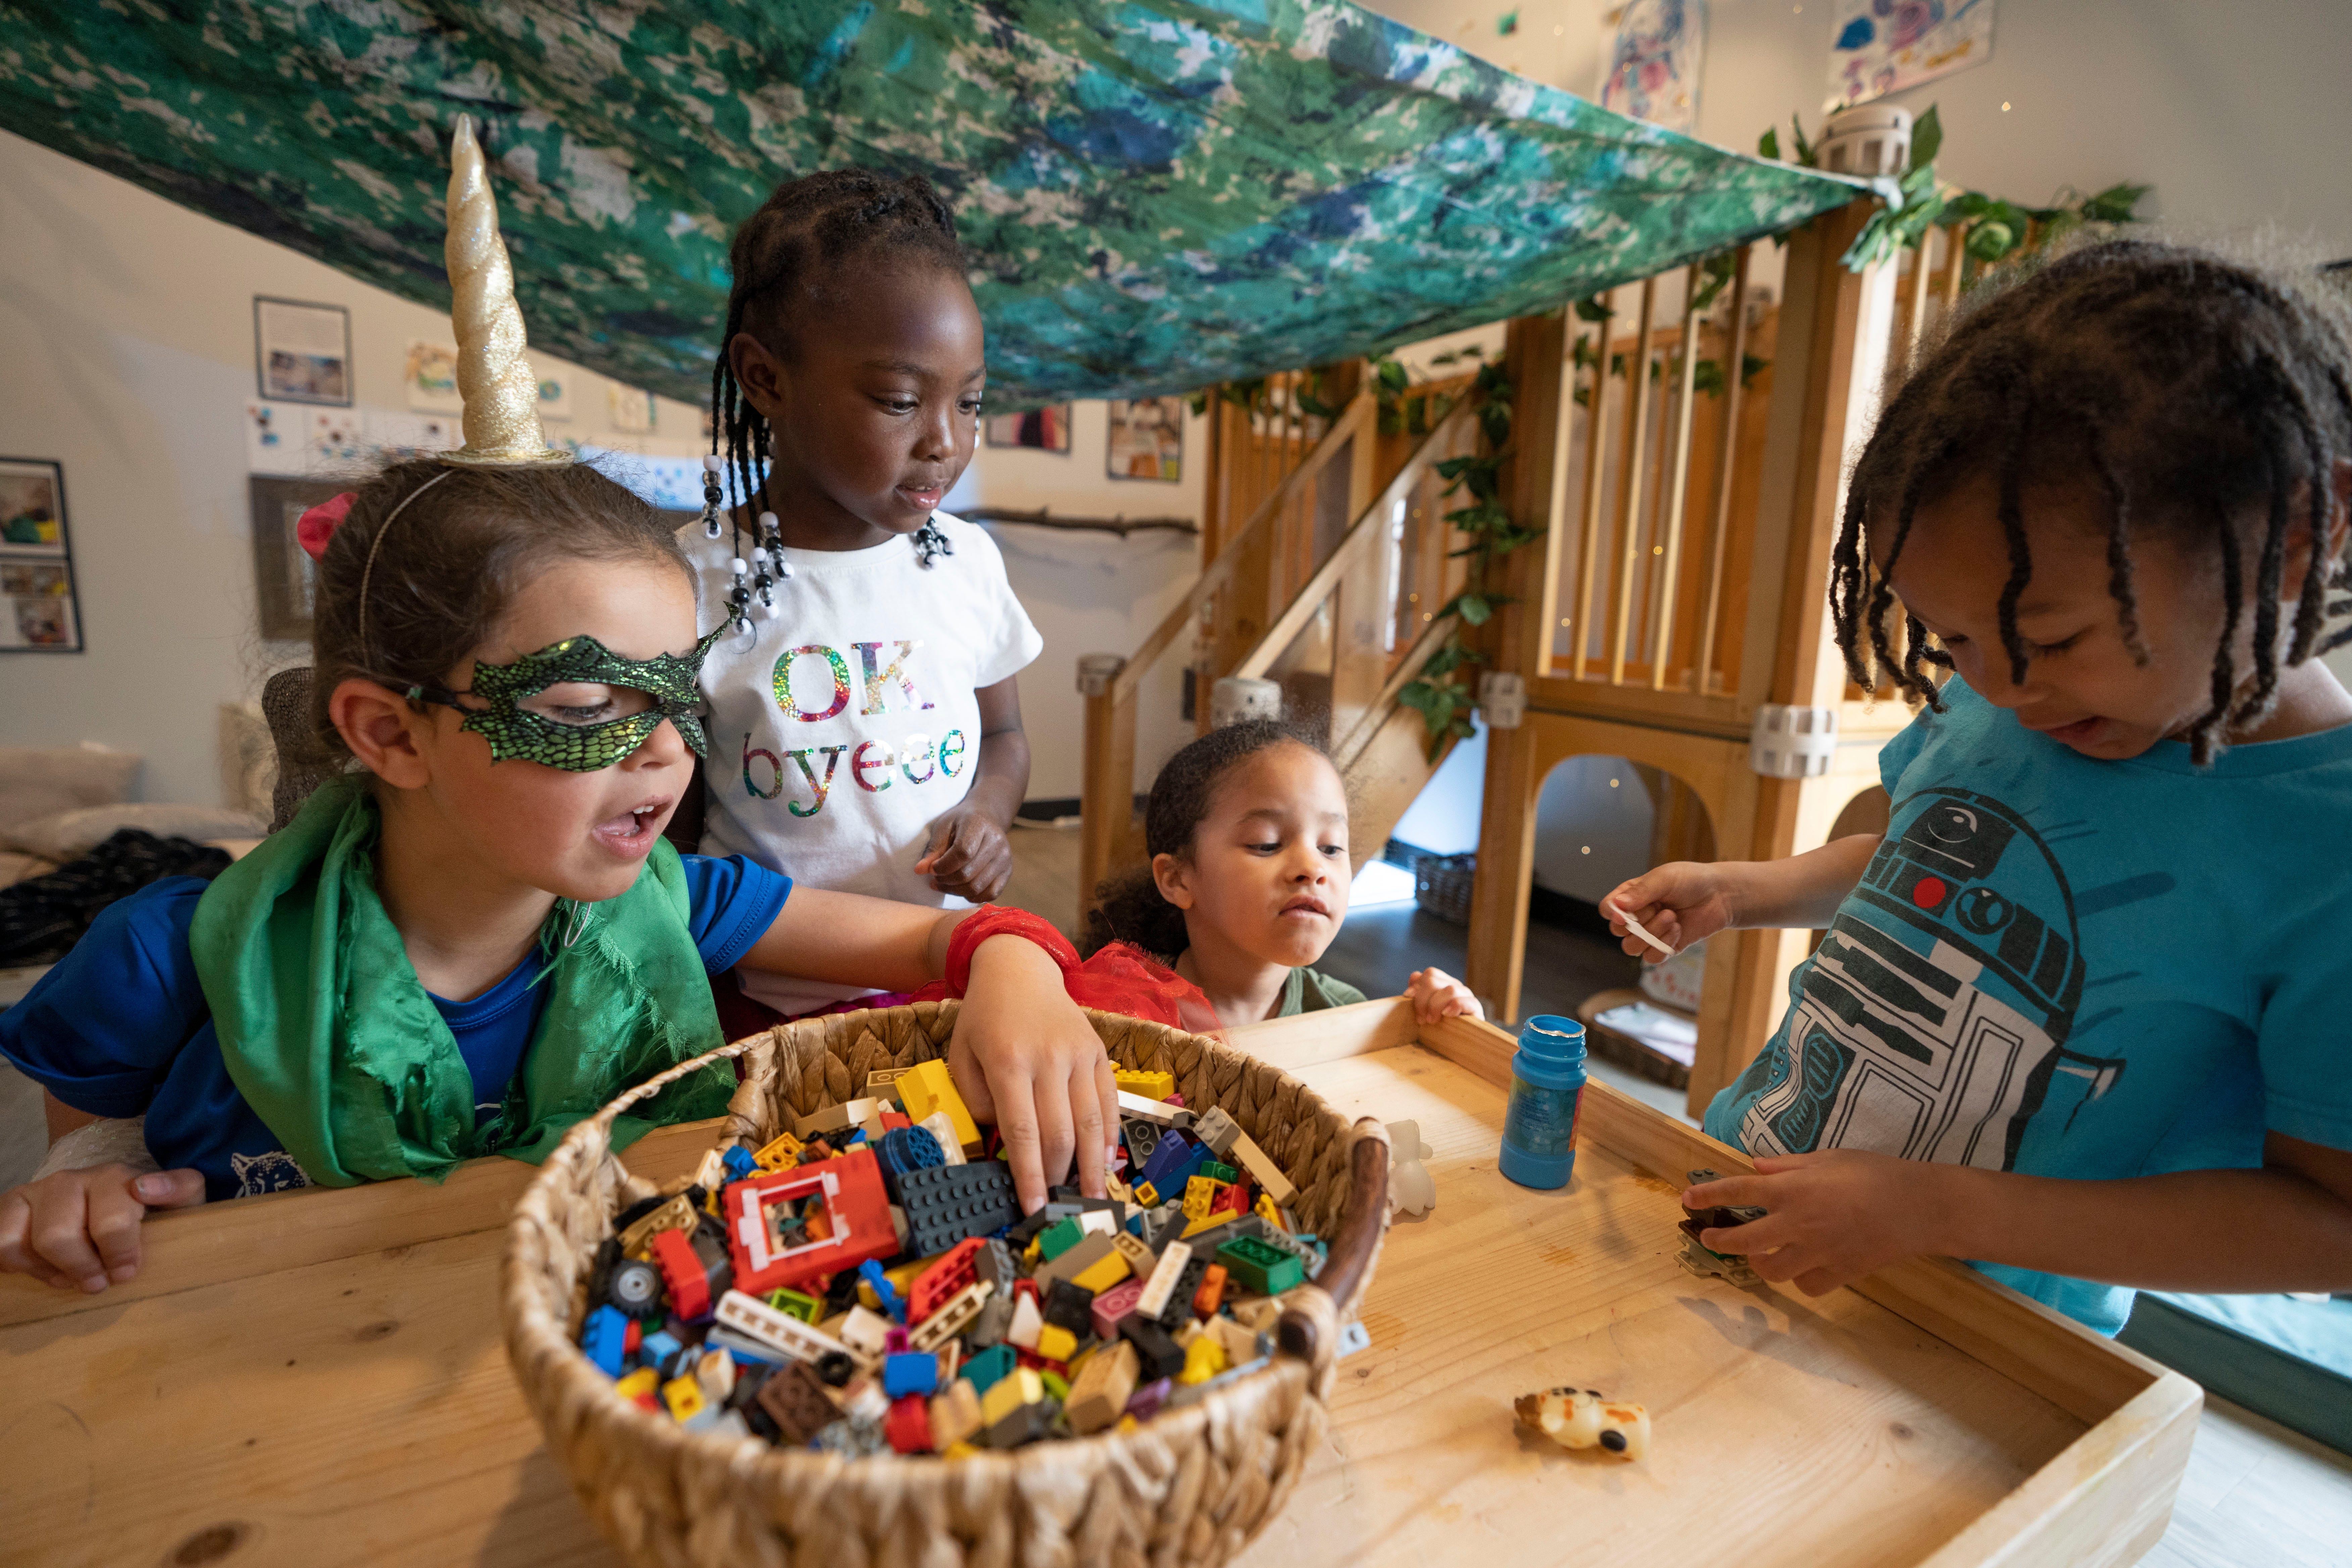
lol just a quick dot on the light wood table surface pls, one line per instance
(319, 1378)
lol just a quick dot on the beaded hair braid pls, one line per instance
(2185, 386)
(801, 238)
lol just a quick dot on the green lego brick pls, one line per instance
(1265, 1269)
(1060, 1238)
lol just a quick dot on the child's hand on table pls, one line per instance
(79, 1230)
(1679, 903)
(1024, 1058)
(969, 855)
(1836, 1216)
(1437, 995)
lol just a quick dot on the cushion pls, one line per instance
(36, 781)
(70, 835)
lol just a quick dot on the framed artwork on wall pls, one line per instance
(1146, 440)
(284, 576)
(40, 608)
(302, 351)
(1045, 429)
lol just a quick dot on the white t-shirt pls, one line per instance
(842, 730)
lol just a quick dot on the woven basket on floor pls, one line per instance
(1187, 1489)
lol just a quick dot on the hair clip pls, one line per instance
(317, 525)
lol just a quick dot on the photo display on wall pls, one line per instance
(302, 352)
(1146, 440)
(1045, 429)
(42, 612)
(285, 578)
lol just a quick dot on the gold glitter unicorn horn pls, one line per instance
(502, 393)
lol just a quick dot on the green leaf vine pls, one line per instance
(1443, 692)
(1998, 229)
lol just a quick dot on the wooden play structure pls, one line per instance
(1679, 587)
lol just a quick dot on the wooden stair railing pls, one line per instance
(1370, 599)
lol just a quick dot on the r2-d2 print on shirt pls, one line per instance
(1933, 1022)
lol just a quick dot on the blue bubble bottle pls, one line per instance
(1546, 1089)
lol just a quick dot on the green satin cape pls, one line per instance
(326, 1030)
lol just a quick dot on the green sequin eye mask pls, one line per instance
(584, 744)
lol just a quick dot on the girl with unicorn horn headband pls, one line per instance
(473, 934)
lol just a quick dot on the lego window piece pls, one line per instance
(855, 1213)
(1586, 1419)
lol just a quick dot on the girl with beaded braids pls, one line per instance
(472, 934)
(864, 713)
(2078, 1014)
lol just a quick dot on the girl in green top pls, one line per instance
(1247, 830)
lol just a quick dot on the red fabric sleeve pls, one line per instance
(994, 919)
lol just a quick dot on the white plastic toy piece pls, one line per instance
(781, 1332)
(1585, 1418)
(1410, 1186)
(941, 1126)
(1636, 927)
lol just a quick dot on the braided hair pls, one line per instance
(1128, 905)
(2189, 385)
(782, 257)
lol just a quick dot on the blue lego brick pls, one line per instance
(1174, 1151)
(656, 1348)
(737, 1162)
(906, 1149)
(910, 1371)
(948, 1203)
(892, 1302)
(605, 1338)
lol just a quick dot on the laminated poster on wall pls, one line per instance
(632, 409)
(1884, 46)
(554, 397)
(1045, 429)
(1146, 440)
(40, 611)
(302, 351)
(429, 378)
(1650, 64)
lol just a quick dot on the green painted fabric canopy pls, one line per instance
(1156, 195)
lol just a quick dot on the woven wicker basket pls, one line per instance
(1189, 1488)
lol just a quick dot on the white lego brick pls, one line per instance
(1026, 1321)
(779, 1331)
(949, 1318)
(1164, 1276)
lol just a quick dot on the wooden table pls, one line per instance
(318, 1377)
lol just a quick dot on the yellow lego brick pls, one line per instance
(957, 1451)
(1150, 1085)
(779, 1155)
(926, 1088)
(1208, 1223)
(644, 1380)
(1056, 1342)
(1104, 1271)
(1127, 1423)
(684, 1397)
(1200, 1192)
(1270, 1212)
(1008, 1394)
(1147, 1195)
(1203, 1359)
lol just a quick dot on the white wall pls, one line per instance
(1092, 593)
(129, 324)
(2237, 113)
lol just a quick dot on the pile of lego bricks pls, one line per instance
(866, 1284)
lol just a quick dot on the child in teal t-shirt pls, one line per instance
(2079, 1013)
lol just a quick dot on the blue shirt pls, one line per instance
(2075, 968)
(120, 1027)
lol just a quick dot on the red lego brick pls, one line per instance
(856, 1222)
(1234, 1199)
(681, 1272)
(942, 1280)
(909, 1425)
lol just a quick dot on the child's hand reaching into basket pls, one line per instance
(1024, 1058)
